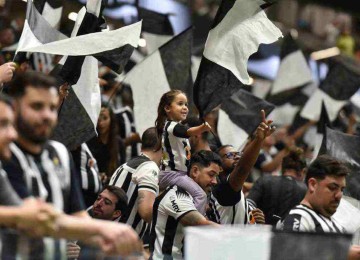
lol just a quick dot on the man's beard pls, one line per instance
(28, 131)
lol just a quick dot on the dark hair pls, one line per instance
(294, 160)
(120, 194)
(34, 79)
(149, 139)
(204, 158)
(325, 165)
(6, 99)
(195, 121)
(222, 147)
(165, 100)
(112, 142)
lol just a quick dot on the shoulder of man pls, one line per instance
(299, 219)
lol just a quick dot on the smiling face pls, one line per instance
(326, 194)
(178, 109)
(37, 114)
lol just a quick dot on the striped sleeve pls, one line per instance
(147, 177)
(298, 220)
(178, 130)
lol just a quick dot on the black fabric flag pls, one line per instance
(238, 30)
(293, 74)
(340, 84)
(343, 78)
(167, 68)
(324, 120)
(155, 23)
(346, 148)
(244, 109)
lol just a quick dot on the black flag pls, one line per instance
(223, 68)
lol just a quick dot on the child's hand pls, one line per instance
(206, 127)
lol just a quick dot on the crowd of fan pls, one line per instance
(132, 195)
(183, 176)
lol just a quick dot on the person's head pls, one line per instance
(106, 119)
(197, 142)
(107, 128)
(110, 204)
(149, 143)
(325, 179)
(110, 81)
(173, 105)
(229, 158)
(7, 37)
(269, 142)
(204, 169)
(294, 164)
(7, 131)
(36, 100)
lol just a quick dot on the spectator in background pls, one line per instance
(325, 180)
(87, 168)
(107, 148)
(110, 204)
(269, 159)
(119, 96)
(276, 195)
(346, 42)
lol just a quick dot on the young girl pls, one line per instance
(172, 110)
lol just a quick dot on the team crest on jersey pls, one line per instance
(59, 170)
(154, 173)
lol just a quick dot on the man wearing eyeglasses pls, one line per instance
(227, 201)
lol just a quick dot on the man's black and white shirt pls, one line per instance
(228, 206)
(87, 168)
(140, 173)
(167, 233)
(51, 176)
(303, 219)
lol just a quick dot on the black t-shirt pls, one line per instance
(276, 195)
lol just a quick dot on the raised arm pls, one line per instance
(250, 154)
(197, 130)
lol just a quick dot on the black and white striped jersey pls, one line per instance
(176, 147)
(8, 196)
(49, 175)
(167, 233)
(126, 124)
(86, 165)
(304, 219)
(140, 173)
(227, 206)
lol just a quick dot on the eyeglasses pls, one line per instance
(232, 155)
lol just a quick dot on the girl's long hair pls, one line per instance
(165, 100)
(112, 141)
